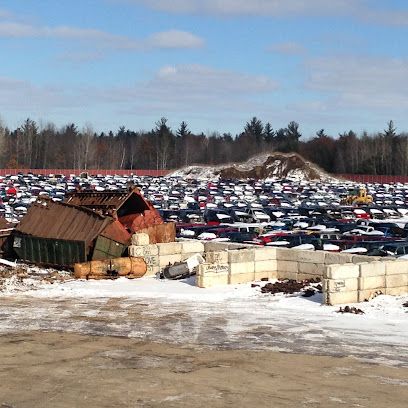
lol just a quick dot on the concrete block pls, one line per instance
(369, 294)
(242, 267)
(192, 247)
(212, 268)
(140, 239)
(282, 275)
(265, 254)
(284, 254)
(152, 270)
(220, 257)
(263, 275)
(361, 259)
(311, 268)
(152, 260)
(316, 257)
(372, 282)
(210, 246)
(287, 266)
(340, 285)
(337, 259)
(266, 266)
(136, 251)
(239, 256)
(396, 267)
(372, 269)
(236, 278)
(212, 279)
(170, 248)
(142, 251)
(164, 260)
(340, 298)
(346, 271)
(395, 281)
(398, 291)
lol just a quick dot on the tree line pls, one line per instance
(31, 146)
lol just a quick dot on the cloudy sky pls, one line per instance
(333, 64)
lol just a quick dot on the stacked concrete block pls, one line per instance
(287, 265)
(169, 253)
(311, 264)
(217, 257)
(210, 275)
(210, 246)
(396, 277)
(241, 266)
(340, 284)
(334, 258)
(284, 254)
(140, 239)
(150, 253)
(265, 263)
(371, 280)
(190, 248)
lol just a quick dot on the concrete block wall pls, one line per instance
(352, 283)
(158, 256)
(301, 264)
(230, 266)
(346, 278)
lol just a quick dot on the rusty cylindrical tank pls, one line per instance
(111, 268)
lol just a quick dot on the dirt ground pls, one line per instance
(60, 370)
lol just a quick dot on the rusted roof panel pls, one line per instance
(112, 203)
(49, 219)
(117, 232)
(98, 199)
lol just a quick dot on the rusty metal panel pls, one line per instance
(111, 202)
(161, 233)
(106, 249)
(48, 219)
(98, 199)
(117, 232)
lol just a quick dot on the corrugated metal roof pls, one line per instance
(98, 199)
(49, 219)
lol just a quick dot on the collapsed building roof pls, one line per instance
(62, 234)
(123, 202)
(131, 208)
(49, 219)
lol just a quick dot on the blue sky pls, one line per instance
(337, 65)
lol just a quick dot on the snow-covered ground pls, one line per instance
(231, 316)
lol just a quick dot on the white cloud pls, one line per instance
(288, 48)
(166, 39)
(181, 88)
(362, 10)
(254, 7)
(361, 82)
(174, 39)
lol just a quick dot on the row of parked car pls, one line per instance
(306, 214)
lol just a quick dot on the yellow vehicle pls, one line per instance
(357, 196)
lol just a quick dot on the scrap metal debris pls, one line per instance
(24, 277)
(348, 309)
(405, 304)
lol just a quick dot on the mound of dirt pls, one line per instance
(271, 165)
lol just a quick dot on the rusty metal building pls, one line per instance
(56, 233)
(132, 210)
